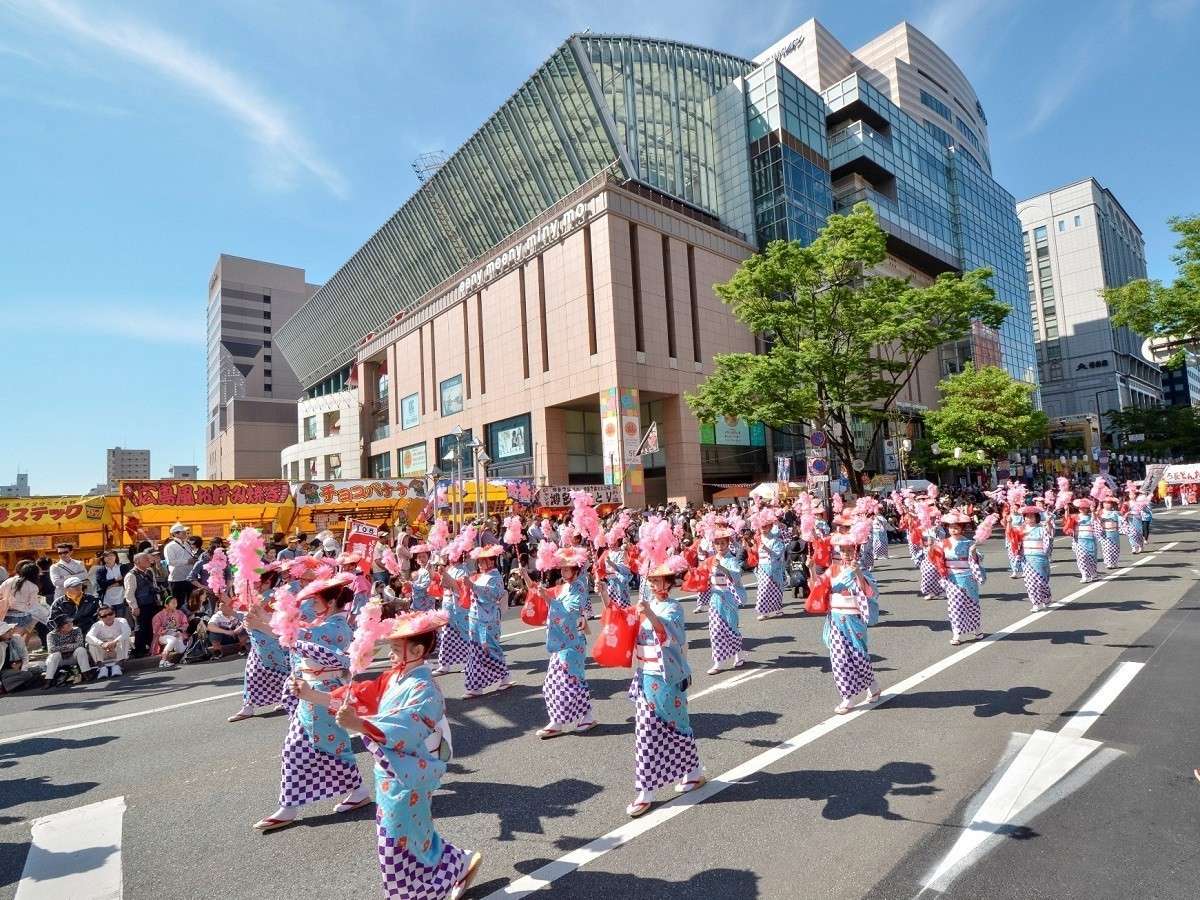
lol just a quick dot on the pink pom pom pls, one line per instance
(1064, 484)
(808, 527)
(390, 563)
(547, 556)
(439, 534)
(984, 531)
(216, 571)
(246, 555)
(860, 532)
(371, 629)
(585, 518)
(838, 503)
(285, 621)
(512, 530)
(925, 515)
(677, 564)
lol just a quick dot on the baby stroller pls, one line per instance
(196, 649)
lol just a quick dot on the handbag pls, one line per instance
(613, 648)
(536, 609)
(817, 601)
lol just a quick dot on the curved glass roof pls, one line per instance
(639, 105)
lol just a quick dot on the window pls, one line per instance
(447, 444)
(266, 373)
(1062, 225)
(1078, 221)
(332, 423)
(266, 343)
(333, 465)
(266, 357)
(266, 329)
(310, 428)
(1039, 233)
(451, 393)
(295, 468)
(414, 461)
(509, 439)
(936, 105)
(310, 468)
(410, 411)
(267, 386)
(266, 314)
(380, 465)
(1056, 371)
(940, 134)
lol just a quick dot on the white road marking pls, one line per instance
(737, 680)
(623, 834)
(75, 853)
(1187, 512)
(1042, 763)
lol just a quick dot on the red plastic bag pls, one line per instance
(613, 648)
(536, 609)
(464, 594)
(696, 580)
(752, 557)
(822, 552)
(817, 601)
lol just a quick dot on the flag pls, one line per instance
(649, 442)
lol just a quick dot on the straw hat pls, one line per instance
(341, 579)
(491, 551)
(411, 624)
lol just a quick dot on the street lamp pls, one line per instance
(905, 448)
(481, 461)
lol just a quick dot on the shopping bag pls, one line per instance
(464, 594)
(536, 609)
(817, 601)
(613, 648)
(696, 580)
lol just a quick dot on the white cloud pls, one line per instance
(285, 152)
(131, 320)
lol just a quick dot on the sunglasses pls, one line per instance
(107, 615)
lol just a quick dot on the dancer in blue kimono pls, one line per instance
(617, 574)
(402, 718)
(664, 743)
(1132, 525)
(770, 571)
(962, 575)
(453, 642)
(486, 663)
(725, 595)
(1035, 532)
(565, 690)
(1110, 533)
(853, 607)
(420, 600)
(1083, 541)
(879, 535)
(267, 663)
(317, 761)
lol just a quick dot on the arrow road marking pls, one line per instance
(1043, 762)
(75, 853)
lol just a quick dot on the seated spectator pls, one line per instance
(168, 630)
(13, 653)
(226, 633)
(75, 604)
(108, 641)
(65, 643)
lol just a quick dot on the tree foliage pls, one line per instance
(842, 341)
(985, 410)
(1170, 312)
(1172, 431)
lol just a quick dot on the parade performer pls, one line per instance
(957, 559)
(931, 583)
(1133, 524)
(770, 569)
(420, 581)
(1147, 514)
(614, 564)
(486, 664)
(664, 743)
(1083, 539)
(267, 664)
(725, 595)
(1031, 539)
(1110, 525)
(452, 641)
(879, 533)
(402, 718)
(565, 690)
(852, 607)
(317, 759)
(1014, 500)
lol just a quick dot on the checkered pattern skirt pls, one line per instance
(262, 686)
(1111, 548)
(879, 544)
(1086, 560)
(770, 596)
(1014, 560)
(1136, 539)
(966, 617)
(726, 642)
(616, 595)
(1037, 586)
(851, 667)
(483, 669)
(702, 600)
(310, 775)
(407, 878)
(568, 699)
(452, 647)
(931, 582)
(662, 755)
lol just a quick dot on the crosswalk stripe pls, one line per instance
(76, 854)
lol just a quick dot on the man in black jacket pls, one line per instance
(76, 604)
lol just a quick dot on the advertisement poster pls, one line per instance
(361, 537)
(452, 395)
(732, 431)
(410, 411)
(414, 461)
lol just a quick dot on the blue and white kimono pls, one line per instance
(1014, 558)
(771, 575)
(1084, 546)
(267, 667)
(486, 663)
(725, 595)
(1133, 530)
(664, 744)
(617, 577)
(565, 690)
(851, 610)
(1110, 539)
(961, 585)
(1035, 562)
(419, 584)
(407, 733)
(879, 537)
(453, 644)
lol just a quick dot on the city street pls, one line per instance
(1051, 759)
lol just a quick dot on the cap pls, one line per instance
(73, 581)
(330, 545)
(178, 527)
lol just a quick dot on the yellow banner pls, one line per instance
(50, 514)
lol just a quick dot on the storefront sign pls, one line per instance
(203, 493)
(1183, 474)
(414, 461)
(316, 493)
(451, 391)
(26, 512)
(410, 411)
(559, 495)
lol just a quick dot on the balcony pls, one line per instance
(379, 432)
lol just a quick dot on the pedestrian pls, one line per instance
(664, 743)
(169, 628)
(180, 554)
(402, 718)
(1033, 540)
(726, 595)
(144, 598)
(769, 602)
(1083, 540)
(486, 664)
(64, 568)
(108, 642)
(1110, 535)
(565, 689)
(962, 576)
(292, 548)
(267, 664)
(317, 759)
(383, 544)
(853, 607)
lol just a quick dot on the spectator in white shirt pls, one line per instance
(226, 632)
(181, 556)
(108, 642)
(66, 566)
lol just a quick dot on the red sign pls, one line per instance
(203, 493)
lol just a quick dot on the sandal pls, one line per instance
(461, 886)
(504, 686)
(871, 698)
(715, 670)
(586, 726)
(689, 786)
(954, 642)
(345, 807)
(739, 663)
(262, 826)
(633, 810)
(238, 716)
(546, 733)
(844, 707)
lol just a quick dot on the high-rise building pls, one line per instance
(252, 390)
(124, 464)
(1181, 384)
(548, 292)
(183, 473)
(19, 488)
(1079, 240)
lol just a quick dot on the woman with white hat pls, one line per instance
(565, 690)
(402, 718)
(852, 607)
(486, 663)
(962, 574)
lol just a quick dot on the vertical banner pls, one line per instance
(783, 468)
(631, 437)
(610, 436)
(361, 537)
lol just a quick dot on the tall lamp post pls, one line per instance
(454, 456)
(905, 449)
(481, 462)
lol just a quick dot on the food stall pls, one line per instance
(146, 510)
(556, 499)
(31, 526)
(1183, 482)
(321, 505)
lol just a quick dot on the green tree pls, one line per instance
(984, 410)
(1169, 432)
(1169, 312)
(842, 342)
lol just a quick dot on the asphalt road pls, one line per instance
(802, 803)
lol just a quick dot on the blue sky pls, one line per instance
(141, 139)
